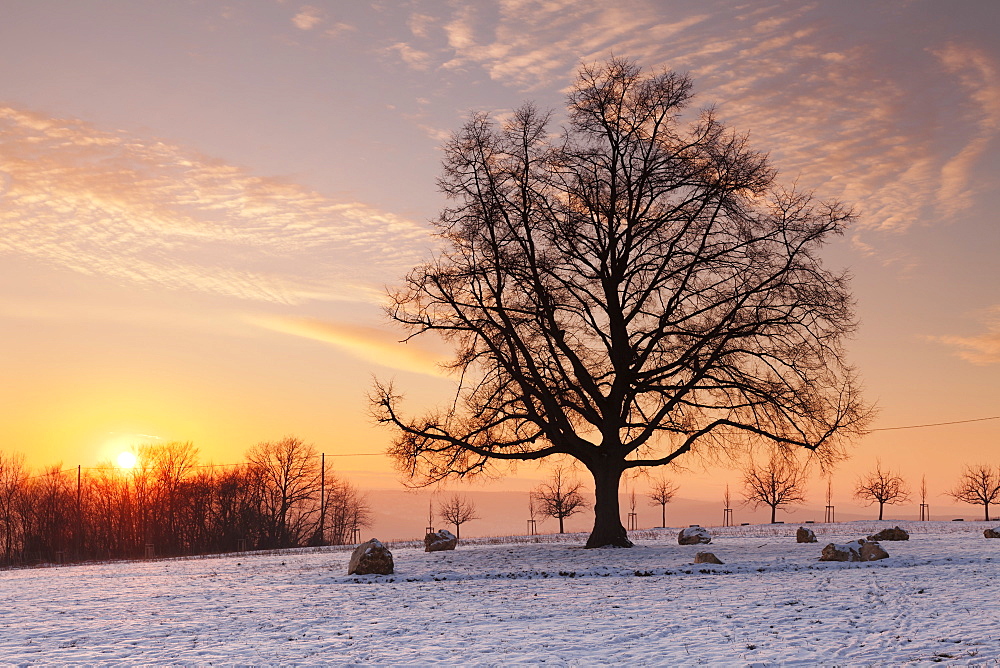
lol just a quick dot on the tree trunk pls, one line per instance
(608, 530)
(663, 520)
(880, 505)
(987, 509)
(561, 524)
(774, 511)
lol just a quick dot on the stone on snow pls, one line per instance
(694, 536)
(439, 541)
(706, 558)
(890, 534)
(371, 558)
(859, 550)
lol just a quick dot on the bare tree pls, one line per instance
(881, 487)
(289, 474)
(13, 487)
(727, 506)
(979, 485)
(171, 464)
(347, 511)
(623, 293)
(457, 510)
(559, 497)
(661, 492)
(780, 482)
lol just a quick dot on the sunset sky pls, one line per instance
(201, 203)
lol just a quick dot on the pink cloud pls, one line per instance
(141, 210)
(982, 349)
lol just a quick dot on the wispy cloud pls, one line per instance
(822, 91)
(367, 343)
(982, 349)
(141, 210)
(418, 60)
(308, 17)
(980, 78)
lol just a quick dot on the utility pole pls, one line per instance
(322, 496)
(79, 517)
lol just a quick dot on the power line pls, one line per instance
(113, 467)
(938, 424)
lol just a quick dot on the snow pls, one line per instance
(513, 600)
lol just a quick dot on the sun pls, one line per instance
(126, 460)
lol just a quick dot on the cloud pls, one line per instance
(367, 343)
(144, 211)
(842, 104)
(338, 29)
(421, 24)
(979, 76)
(308, 17)
(418, 60)
(983, 349)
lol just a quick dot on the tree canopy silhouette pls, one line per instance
(624, 292)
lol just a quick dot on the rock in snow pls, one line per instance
(890, 534)
(859, 550)
(439, 541)
(706, 558)
(871, 551)
(371, 558)
(805, 535)
(992, 533)
(694, 536)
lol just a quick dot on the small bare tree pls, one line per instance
(559, 497)
(882, 487)
(661, 492)
(980, 486)
(778, 483)
(457, 510)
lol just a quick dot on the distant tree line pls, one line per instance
(170, 505)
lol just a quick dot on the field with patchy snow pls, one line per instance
(935, 600)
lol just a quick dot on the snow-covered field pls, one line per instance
(935, 600)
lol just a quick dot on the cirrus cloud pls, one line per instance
(145, 211)
(837, 97)
(367, 343)
(981, 349)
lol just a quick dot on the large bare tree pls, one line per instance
(881, 487)
(979, 485)
(625, 292)
(780, 482)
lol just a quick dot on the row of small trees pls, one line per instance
(775, 484)
(559, 497)
(781, 482)
(278, 498)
